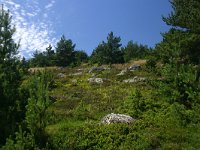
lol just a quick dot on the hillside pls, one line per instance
(79, 104)
(121, 97)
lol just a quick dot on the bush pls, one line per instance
(151, 64)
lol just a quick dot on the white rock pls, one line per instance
(61, 75)
(95, 80)
(123, 72)
(134, 67)
(135, 79)
(76, 74)
(116, 118)
(93, 69)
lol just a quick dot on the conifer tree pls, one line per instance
(50, 56)
(9, 77)
(65, 52)
(36, 109)
(185, 15)
(185, 18)
(108, 52)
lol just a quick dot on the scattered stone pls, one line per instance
(123, 72)
(107, 68)
(93, 75)
(60, 68)
(135, 79)
(81, 69)
(61, 75)
(74, 81)
(96, 69)
(36, 69)
(76, 74)
(116, 118)
(134, 67)
(95, 80)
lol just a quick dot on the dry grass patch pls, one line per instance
(41, 69)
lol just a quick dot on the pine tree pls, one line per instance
(185, 18)
(185, 15)
(80, 56)
(8, 48)
(113, 51)
(108, 52)
(65, 52)
(32, 134)
(10, 77)
(134, 50)
(50, 56)
(36, 109)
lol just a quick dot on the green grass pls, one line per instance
(102, 98)
(80, 106)
(68, 124)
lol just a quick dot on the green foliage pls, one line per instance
(120, 136)
(80, 56)
(138, 104)
(108, 52)
(182, 86)
(185, 15)
(176, 46)
(151, 64)
(165, 108)
(32, 134)
(43, 59)
(10, 78)
(39, 60)
(22, 141)
(8, 48)
(83, 111)
(185, 19)
(65, 52)
(134, 51)
(38, 103)
(65, 55)
(50, 54)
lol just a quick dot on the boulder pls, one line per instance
(95, 80)
(61, 75)
(135, 79)
(116, 118)
(134, 67)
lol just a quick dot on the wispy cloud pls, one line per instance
(34, 29)
(48, 6)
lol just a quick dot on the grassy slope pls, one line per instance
(99, 99)
(80, 105)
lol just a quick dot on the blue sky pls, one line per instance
(87, 23)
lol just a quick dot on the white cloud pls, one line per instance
(31, 14)
(48, 6)
(33, 26)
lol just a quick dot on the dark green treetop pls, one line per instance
(65, 52)
(10, 77)
(8, 48)
(185, 15)
(134, 50)
(108, 52)
(184, 37)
